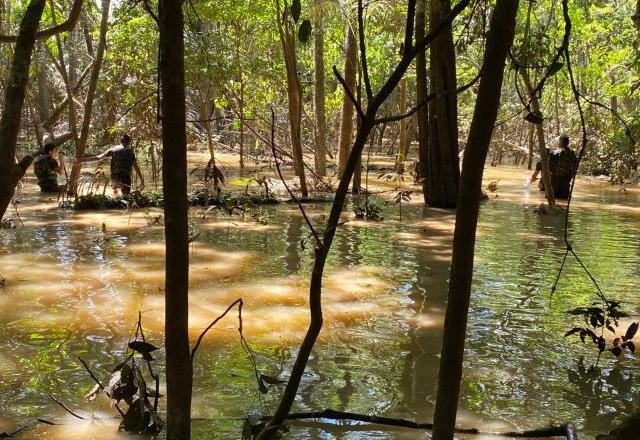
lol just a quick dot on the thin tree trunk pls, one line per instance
(319, 93)
(402, 98)
(499, 41)
(421, 94)
(241, 117)
(346, 120)
(444, 170)
(531, 141)
(542, 148)
(176, 209)
(10, 172)
(81, 143)
(294, 95)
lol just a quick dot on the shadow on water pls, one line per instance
(73, 289)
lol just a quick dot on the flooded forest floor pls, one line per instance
(75, 281)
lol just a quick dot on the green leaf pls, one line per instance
(304, 32)
(296, 9)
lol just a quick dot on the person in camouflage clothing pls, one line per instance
(123, 161)
(563, 165)
(46, 168)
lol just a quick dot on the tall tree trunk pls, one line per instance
(10, 172)
(294, 95)
(499, 41)
(531, 142)
(421, 94)
(81, 142)
(542, 148)
(319, 93)
(241, 117)
(444, 170)
(176, 209)
(402, 146)
(346, 120)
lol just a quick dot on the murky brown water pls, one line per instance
(73, 290)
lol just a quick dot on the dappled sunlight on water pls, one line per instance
(73, 289)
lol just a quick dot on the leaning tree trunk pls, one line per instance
(346, 120)
(421, 95)
(81, 143)
(443, 174)
(319, 94)
(176, 210)
(498, 44)
(10, 172)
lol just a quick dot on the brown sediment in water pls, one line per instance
(72, 289)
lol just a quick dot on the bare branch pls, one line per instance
(97, 381)
(422, 44)
(147, 7)
(410, 26)
(66, 408)
(429, 97)
(627, 129)
(300, 207)
(349, 93)
(214, 322)
(65, 26)
(363, 51)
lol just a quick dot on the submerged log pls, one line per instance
(566, 430)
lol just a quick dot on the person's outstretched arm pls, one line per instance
(94, 158)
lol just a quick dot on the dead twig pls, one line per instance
(66, 408)
(97, 381)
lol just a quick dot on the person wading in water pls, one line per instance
(563, 165)
(123, 160)
(47, 168)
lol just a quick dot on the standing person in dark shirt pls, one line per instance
(123, 161)
(563, 165)
(47, 168)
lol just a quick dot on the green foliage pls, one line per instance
(367, 209)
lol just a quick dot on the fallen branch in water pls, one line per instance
(22, 428)
(566, 430)
(66, 408)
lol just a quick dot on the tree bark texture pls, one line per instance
(499, 42)
(542, 147)
(81, 142)
(402, 108)
(294, 95)
(422, 91)
(346, 119)
(10, 172)
(176, 208)
(444, 170)
(319, 93)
